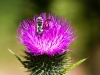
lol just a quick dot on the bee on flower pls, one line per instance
(56, 35)
(47, 39)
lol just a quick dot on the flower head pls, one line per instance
(46, 35)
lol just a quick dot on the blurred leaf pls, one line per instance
(15, 55)
(74, 65)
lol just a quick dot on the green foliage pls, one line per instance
(74, 65)
(48, 65)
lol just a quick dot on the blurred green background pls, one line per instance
(84, 16)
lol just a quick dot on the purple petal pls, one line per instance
(54, 40)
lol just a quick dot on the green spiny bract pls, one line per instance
(47, 65)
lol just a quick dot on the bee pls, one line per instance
(42, 25)
(39, 26)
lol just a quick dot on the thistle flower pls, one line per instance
(46, 35)
(47, 40)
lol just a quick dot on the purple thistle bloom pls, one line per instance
(46, 35)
